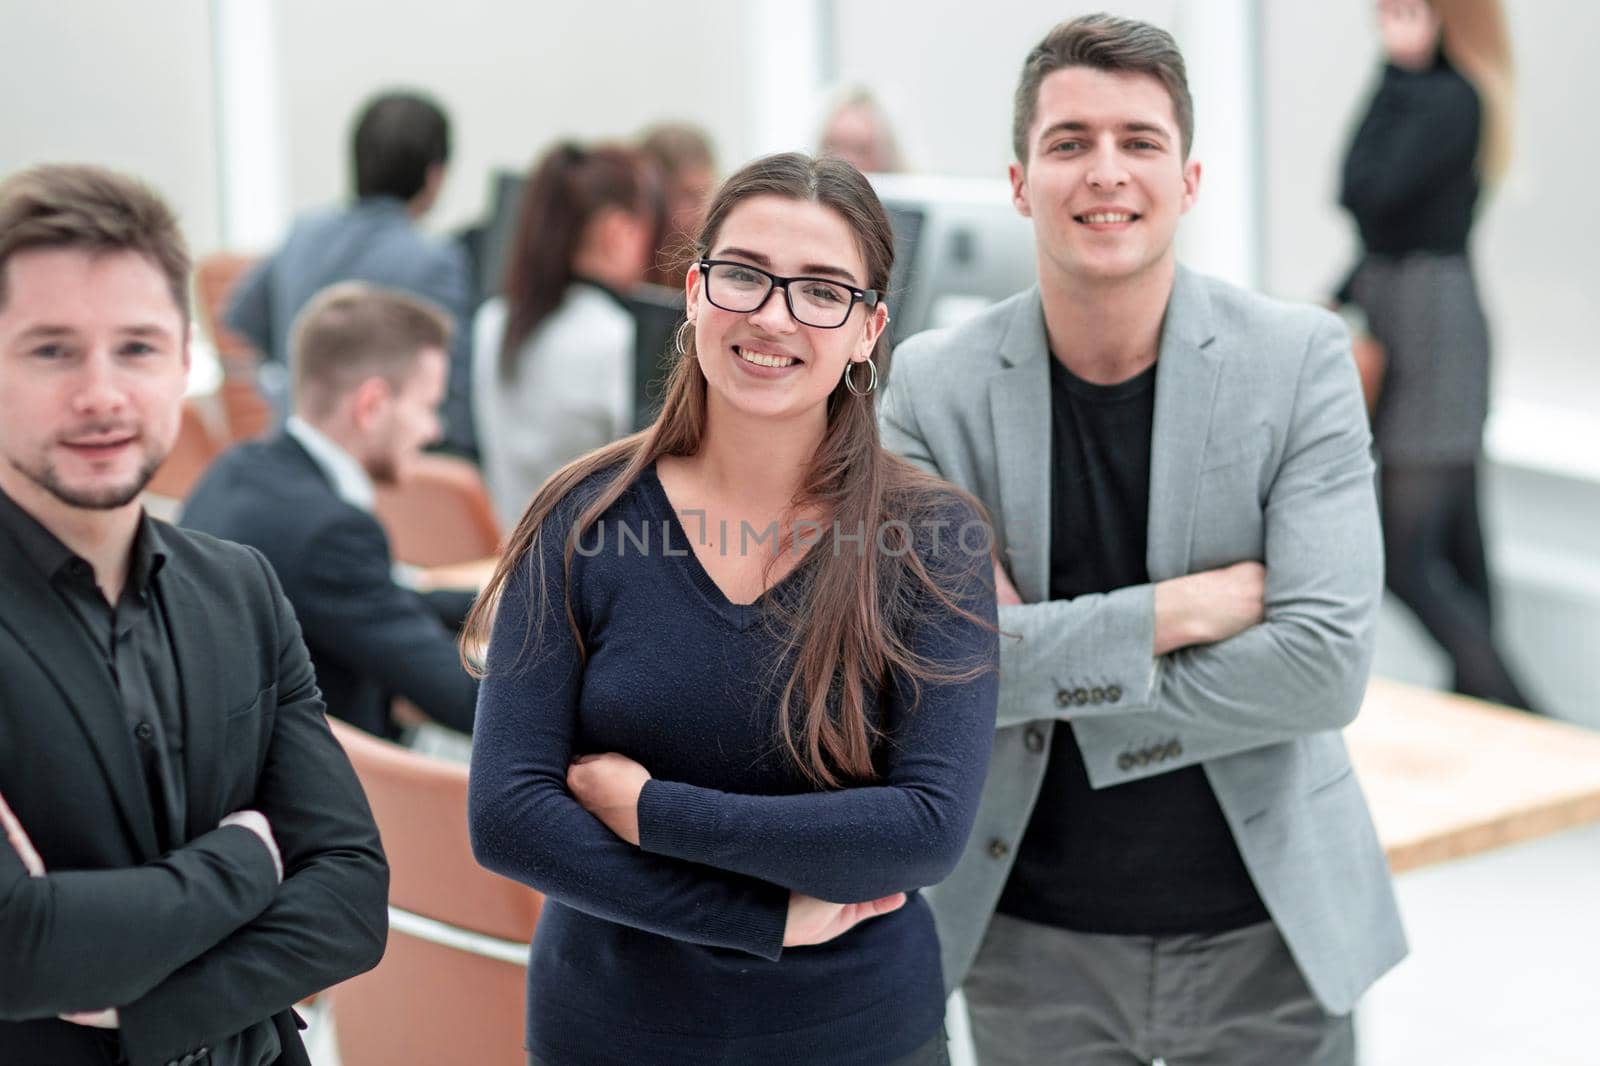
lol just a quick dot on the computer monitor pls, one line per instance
(492, 245)
(959, 247)
(657, 312)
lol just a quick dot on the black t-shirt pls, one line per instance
(1150, 857)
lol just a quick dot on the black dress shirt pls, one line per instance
(135, 651)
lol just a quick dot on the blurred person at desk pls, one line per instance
(1437, 131)
(688, 172)
(187, 850)
(554, 356)
(398, 152)
(370, 368)
(731, 762)
(857, 130)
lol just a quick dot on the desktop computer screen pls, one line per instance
(959, 247)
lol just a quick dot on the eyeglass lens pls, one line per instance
(812, 301)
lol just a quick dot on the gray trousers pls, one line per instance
(1042, 996)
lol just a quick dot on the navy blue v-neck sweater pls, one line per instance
(671, 952)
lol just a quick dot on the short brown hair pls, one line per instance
(1103, 42)
(351, 332)
(97, 210)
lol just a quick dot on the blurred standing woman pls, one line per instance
(553, 357)
(1436, 132)
(730, 750)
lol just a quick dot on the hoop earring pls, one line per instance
(678, 341)
(872, 382)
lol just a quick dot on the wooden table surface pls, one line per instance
(1448, 777)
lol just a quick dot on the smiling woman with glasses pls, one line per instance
(740, 687)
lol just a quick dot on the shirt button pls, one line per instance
(998, 848)
(144, 730)
(1063, 698)
(1034, 739)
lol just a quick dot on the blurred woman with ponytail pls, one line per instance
(740, 683)
(553, 356)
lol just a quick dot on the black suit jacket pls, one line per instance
(370, 639)
(202, 942)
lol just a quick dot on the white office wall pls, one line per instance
(126, 85)
(946, 70)
(1535, 245)
(514, 77)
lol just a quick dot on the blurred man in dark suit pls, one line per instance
(370, 369)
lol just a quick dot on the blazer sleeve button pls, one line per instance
(1114, 693)
(1097, 695)
(1080, 696)
(1063, 698)
(1174, 748)
(1034, 739)
(1125, 761)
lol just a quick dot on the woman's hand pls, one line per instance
(608, 787)
(816, 921)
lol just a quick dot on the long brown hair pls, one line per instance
(567, 189)
(848, 637)
(1473, 35)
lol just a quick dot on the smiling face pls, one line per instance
(764, 363)
(93, 365)
(1105, 180)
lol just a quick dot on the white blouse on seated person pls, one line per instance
(570, 392)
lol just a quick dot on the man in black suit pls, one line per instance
(188, 850)
(370, 367)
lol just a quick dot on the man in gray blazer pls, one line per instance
(399, 151)
(1172, 858)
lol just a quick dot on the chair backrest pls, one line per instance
(452, 982)
(215, 277)
(191, 453)
(245, 411)
(440, 515)
(420, 804)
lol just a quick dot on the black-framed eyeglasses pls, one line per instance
(744, 289)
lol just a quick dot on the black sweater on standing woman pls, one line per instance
(1410, 177)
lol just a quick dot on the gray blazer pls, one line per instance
(374, 241)
(1260, 451)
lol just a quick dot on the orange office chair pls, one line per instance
(193, 451)
(245, 411)
(440, 515)
(450, 987)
